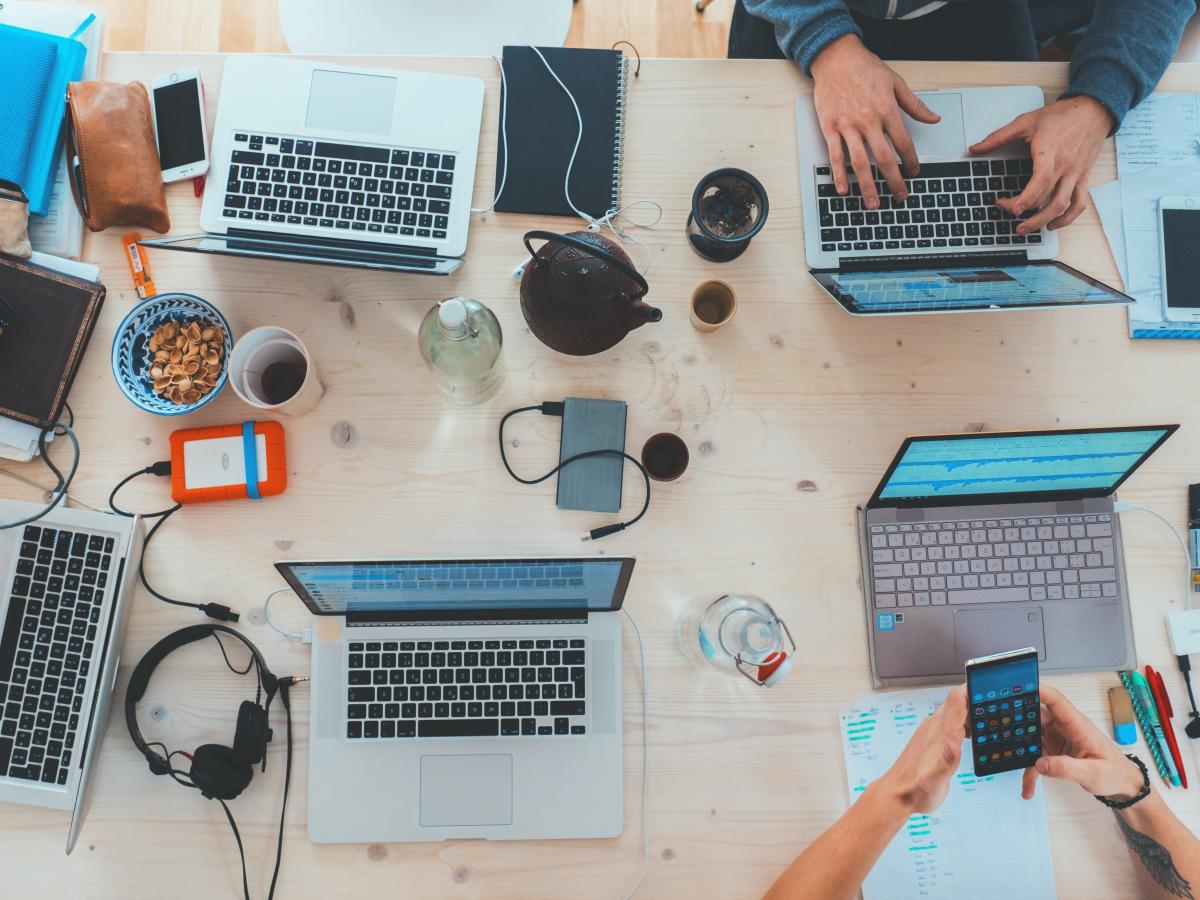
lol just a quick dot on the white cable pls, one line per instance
(302, 636)
(1187, 557)
(503, 137)
(645, 761)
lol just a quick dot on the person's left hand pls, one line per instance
(920, 776)
(1064, 139)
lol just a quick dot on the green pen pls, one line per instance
(1146, 701)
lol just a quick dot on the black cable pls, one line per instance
(1192, 729)
(62, 482)
(284, 697)
(551, 408)
(241, 850)
(232, 668)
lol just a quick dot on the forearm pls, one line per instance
(804, 29)
(1166, 856)
(1125, 51)
(834, 866)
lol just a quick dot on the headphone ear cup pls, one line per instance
(252, 733)
(218, 773)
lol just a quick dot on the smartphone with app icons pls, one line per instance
(1004, 711)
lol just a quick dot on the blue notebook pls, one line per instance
(33, 107)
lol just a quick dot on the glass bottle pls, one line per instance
(737, 634)
(462, 344)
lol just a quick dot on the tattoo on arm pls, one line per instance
(1157, 860)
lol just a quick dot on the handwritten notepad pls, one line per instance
(983, 842)
(1162, 130)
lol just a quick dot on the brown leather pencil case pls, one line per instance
(112, 158)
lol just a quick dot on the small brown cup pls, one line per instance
(713, 304)
(665, 456)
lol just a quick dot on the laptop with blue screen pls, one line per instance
(973, 544)
(464, 698)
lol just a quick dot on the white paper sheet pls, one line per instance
(1164, 129)
(983, 842)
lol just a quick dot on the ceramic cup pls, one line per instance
(713, 304)
(665, 456)
(270, 368)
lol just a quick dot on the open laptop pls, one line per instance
(67, 583)
(977, 543)
(465, 698)
(947, 247)
(319, 163)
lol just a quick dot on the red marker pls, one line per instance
(1163, 701)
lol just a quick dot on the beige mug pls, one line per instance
(271, 369)
(713, 304)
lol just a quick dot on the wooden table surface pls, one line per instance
(791, 413)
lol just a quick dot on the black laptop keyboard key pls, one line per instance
(443, 728)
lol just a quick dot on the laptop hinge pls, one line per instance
(469, 617)
(930, 260)
(316, 241)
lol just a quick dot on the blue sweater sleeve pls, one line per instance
(1125, 50)
(805, 29)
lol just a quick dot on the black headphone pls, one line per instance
(220, 773)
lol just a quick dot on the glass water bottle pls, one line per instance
(462, 344)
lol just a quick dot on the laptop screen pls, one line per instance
(990, 468)
(458, 586)
(962, 288)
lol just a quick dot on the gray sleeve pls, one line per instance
(804, 28)
(1125, 50)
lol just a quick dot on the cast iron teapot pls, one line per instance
(580, 293)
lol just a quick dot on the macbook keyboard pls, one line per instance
(344, 187)
(466, 688)
(49, 633)
(993, 560)
(950, 205)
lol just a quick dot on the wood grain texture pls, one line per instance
(791, 412)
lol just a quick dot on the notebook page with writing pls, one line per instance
(952, 852)
(1164, 129)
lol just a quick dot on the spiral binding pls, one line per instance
(619, 131)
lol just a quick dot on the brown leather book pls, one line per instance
(48, 320)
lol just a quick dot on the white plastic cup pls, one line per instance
(258, 349)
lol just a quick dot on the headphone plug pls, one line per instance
(596, 533)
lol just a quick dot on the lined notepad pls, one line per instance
(983, 842)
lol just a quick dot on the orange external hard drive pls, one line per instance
(228, 462)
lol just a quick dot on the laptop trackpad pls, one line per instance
(979, 632)
(466, 790)
(947, 137)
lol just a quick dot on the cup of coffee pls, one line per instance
(270, 369)
(713, 304)
(665, 456)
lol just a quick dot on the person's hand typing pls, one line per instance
(920, 776)
(858, 99)
(1064, 140)
(1076, 750)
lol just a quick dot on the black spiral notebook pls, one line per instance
(542, 127)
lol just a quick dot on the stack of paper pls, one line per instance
(1158, 154)
(954, 851)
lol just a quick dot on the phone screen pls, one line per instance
(1181, 262)
(1004, 713)
(177, 121)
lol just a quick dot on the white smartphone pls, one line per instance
(1179, 238)
(178, 102)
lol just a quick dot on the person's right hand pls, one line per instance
(1076, 750)
(858, 99)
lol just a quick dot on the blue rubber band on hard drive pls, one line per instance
(250, 452)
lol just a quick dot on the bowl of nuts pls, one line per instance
(169, 354)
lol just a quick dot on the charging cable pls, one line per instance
(1192, 729)
(553, 408)
(63, 482)
(645, 760)
(218, 611)
(305, 636)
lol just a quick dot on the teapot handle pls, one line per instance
(628, 270)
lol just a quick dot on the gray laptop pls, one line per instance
(465, 698)
(977, 543)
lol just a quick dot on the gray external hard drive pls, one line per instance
(592, 484)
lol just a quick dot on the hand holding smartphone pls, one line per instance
(178, 103)
(1004, 711)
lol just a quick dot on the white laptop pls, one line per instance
(947, 247)
(67, 583)
(465, 698)
(328, 164)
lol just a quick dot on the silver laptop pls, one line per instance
(320, 163)
(977, 543)
(947, 247)
(465, 698)
(67, 584)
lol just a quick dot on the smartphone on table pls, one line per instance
(1003, 711)
(177, 99)
(1179, 238)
